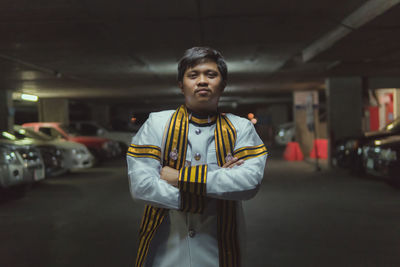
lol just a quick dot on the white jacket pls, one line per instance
(188, 239)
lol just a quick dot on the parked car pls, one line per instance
(30, 157)
(76, 155)
(381, 157)
(11, 167)
(101, 148)
(285, 133)
(90, 128)
(348, 152)
(33, 161)
(52, 156)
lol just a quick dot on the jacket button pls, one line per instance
(197, 156)
(192, 233)
(197, 131)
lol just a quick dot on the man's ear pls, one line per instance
(180, 85)
(223, 85)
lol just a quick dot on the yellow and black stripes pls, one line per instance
(176, 140)
(144, 151)
(225, 138)
(193, 179)
(249, 152)
(229, 254)
(206, 121)
(228, 242)
(192, 185)
(152, 219)
(192, 203)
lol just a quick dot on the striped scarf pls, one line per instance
(192, 184)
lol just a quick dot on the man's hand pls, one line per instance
(170, 175)
(233, 162)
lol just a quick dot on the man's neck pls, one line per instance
(202, 112)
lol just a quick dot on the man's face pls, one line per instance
(202, 86)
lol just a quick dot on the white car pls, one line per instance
(75, 155)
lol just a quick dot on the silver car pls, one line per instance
(75, 155)
(11, 168)
(33, 162)
(51, 156)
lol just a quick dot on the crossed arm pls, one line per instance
(161, 187)
(171, 175)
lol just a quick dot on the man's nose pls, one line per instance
(202, 80)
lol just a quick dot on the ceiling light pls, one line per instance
(27, 97)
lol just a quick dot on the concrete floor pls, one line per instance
(299, 218)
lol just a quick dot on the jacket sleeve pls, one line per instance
(143, 158)
(240, 182)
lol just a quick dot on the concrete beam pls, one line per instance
(366, 13)
(383, 82)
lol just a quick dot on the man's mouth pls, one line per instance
(202, 91)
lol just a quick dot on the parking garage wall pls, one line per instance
(6, 110)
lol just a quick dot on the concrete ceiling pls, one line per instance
(129, 49)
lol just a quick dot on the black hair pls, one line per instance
(197, 55)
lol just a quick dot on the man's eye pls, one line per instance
(192, 76)
(212, 75)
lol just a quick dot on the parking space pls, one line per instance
(300, 217)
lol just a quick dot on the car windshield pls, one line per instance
(69, 130)
(394, 126)
(85, 129)
(32, 134)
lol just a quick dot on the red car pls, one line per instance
(101, 148)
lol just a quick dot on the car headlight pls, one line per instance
(8, 157)
(79, 151)
(377, 149)
(30, 154)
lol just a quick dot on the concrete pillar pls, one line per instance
(100, 113)
(6, 110)
(307, 126)
(345, 108)
(53, 110)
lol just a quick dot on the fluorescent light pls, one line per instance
(27, 97)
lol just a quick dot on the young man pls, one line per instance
(192, 167)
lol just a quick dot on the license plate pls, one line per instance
(370, 163)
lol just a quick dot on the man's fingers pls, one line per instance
(238, 163)
(229, 163)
